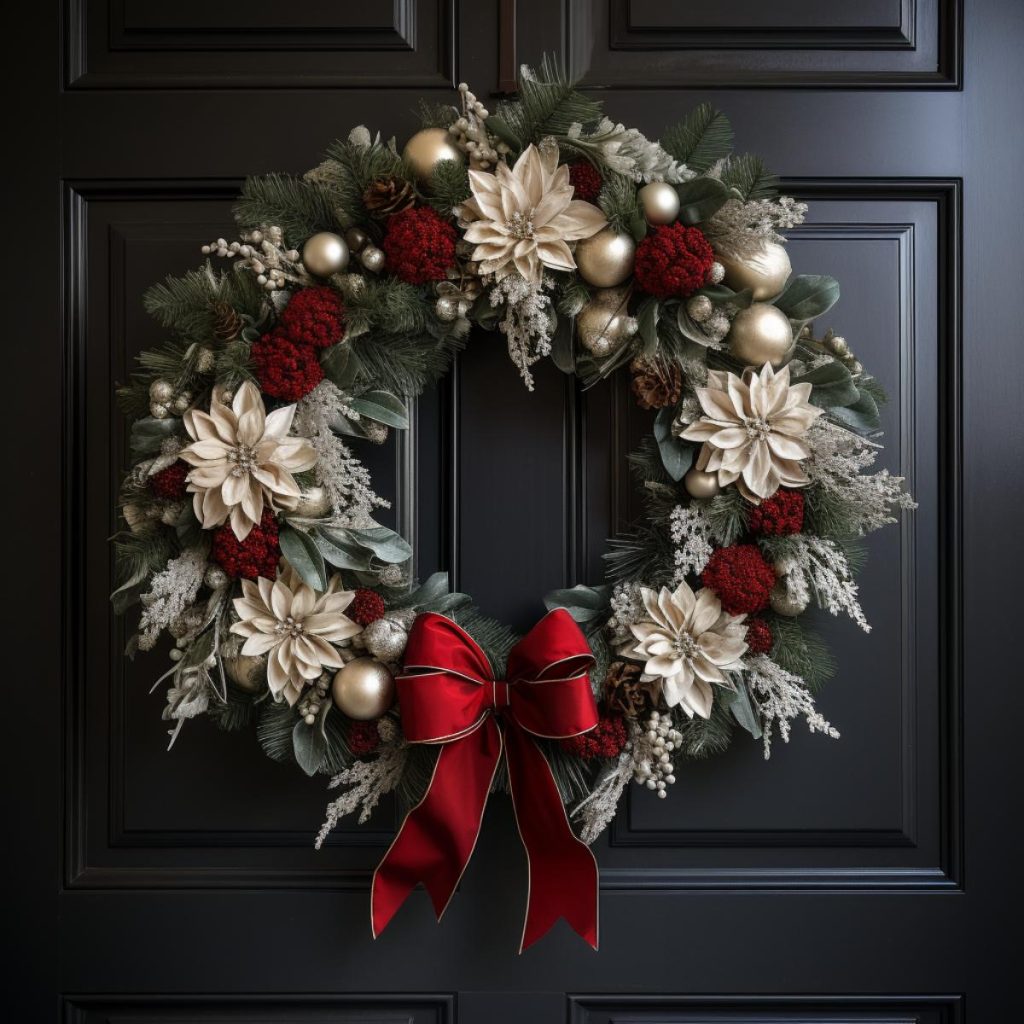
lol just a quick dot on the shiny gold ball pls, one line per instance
(699, 484)
(427, 148)
(604, 323)
(660, 202)
(783, 601)
(363, 689)
(760, 334)
(765, 274)
(606, 259)
(247, 671)
(313, 503)
(325, 253)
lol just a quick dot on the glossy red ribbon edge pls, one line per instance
(448, 696)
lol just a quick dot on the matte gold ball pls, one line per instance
(699, 484)
(325, 253)
(660, 202)
(604, 323)
(765, 274)
(427, 148)
(246, 671)
(760, 334)
(606, 259)
(363, 689)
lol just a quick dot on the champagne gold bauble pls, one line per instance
(604, 323)
(699, 484)
(427, 148)
(372, 258)
(363, 689)
(765, 274)
(246, 671)
(325, 253)
(783, 601)
(760, 334)
(313, 503)
(606, 259)
(660, 202)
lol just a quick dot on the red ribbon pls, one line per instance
(449, 696)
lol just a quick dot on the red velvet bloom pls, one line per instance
(673, 261)
(780, 514)
(314, 316)
(363, 738)
(255, 556)
(759, 636)
(284, 369)
(586, 180)
(366, 607)
(419, 245)
(170, 482)
(606, 740)
(741, 578)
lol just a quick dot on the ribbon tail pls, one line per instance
(437, 838)
(563, 871)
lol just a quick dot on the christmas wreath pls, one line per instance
(249, 520)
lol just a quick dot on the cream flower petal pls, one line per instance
(721, 650)
(698, 699)
(706, 610)
(279, 422)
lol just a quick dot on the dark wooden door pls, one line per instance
(870, 880)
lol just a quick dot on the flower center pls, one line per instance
(686, 647)
(758, 428)
(289, 627)
(244, 459)
(520, 225)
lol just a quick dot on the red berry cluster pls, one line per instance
(607, 740)
(741, 578)
(759, 636)
(170, 482)
(255, 556)
(285, 369)
(780, 514)
(366, 607)
(419, 245)
(673, 261)
(586, 180)
(314, 316)
(363, 738)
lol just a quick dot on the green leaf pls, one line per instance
(831, 385)
(563, 353)
(149, 433)
(700, 198)
(808, 296)
(701, 139)
(340, 550)
(305, 558)
(739, 703)
(309, 745)
(690, 329)
(433, 588)
(338, 365)
(647, 325)
(676, 456)
(274, 730)
(721, 295)
(860, 416)
(583, 603)
(387, 545)
(383, 407)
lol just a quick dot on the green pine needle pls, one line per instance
(300, 207)
(701, 139)
(748, 175)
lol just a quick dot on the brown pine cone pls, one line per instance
(623, 691)
(656, 383)
(227, 322)
(386, 196)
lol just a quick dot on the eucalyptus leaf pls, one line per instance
(563, 353)
(720, 294)
(387, 545)
(808, 296)
(339, 550)
(433, 588)
(831, 385)
(148, 434)
(690, 329)
(309, 746)
(741, 706)
(383, 407)
(304, 557)
(339, 366)
(700, 198)
(583, 603)
(861, 416)
(676, 455)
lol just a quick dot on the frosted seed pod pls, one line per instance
(652, 735)
(310, 719)
(651, 784)
(670, 779)
(662, 794)
(668, 767)
(663, 758)
(175, 655)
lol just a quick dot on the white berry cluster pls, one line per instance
(470, 133)
(262, 251)
(309, 706)
(652, 753)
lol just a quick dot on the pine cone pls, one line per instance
(227, 322)
(386, 196)
(656, 383)
(623, 691)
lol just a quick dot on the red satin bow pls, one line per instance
(448, 695)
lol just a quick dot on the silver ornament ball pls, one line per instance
(699, 484)
(760, 334)
(429, 147)
(372, 258)
(700, 308)
(765, 273)
(325, 253)
(606, 259)
(215, 577)
(385, 639)
(363, 689)
(447, 308)
(161, 392)
(159, 411)
(660, 202)
(716, 274)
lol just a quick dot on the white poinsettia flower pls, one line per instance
(241, 459)
(686, 642)
(295, 627)
(752, 428)
(523, 217)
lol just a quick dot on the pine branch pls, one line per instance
(646, 464)
(237, 712)
(274, 730)
(701, 139)
(800, 650)
(748, 175)
(643, 553)
(388, 306)
(449, 186)
(351, 166)
(703, 737)
(619, 203)
(404, 364)
(727, 514)
(299, 206)
(435, 115)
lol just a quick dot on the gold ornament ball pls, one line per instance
(363, 689)
(427, 148)
(372, 258)
(325, 253)
(246, 671)
(606, 259)
(765, 274)
(783, 602)
(604, 323)
(313, 503)
(760, 334)
(660, 202)
(699, 484)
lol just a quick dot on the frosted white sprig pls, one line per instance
(171, 592)
(742, 229)
(527, 322)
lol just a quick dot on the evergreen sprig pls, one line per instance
(701, 139)
(800, 650)
(449, 186)
(351, 167)
(748, 175)
(299, 206)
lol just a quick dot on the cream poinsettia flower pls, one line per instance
(752, 429)
(523, 217)
(295, 627)
(686, 643)
(241, 459)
